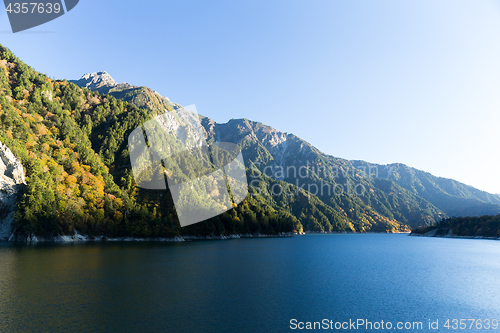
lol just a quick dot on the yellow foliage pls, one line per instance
(100, 213)
(118, 202)
(60, 188)
(71, 181)
(41, 129)
(45, 146)
(28, 117)
(68, 144)
(99, 203)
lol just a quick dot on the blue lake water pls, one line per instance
(249, 285)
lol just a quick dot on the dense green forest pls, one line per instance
(485, 226)
(72, 144)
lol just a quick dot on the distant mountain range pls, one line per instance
(72, 142)
(450, 196)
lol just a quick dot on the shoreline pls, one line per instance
(79, 238)
(351, 232)
(449, 234)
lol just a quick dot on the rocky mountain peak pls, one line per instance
(96, 81)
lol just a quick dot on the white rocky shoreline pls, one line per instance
(32, 239)
(77, 237)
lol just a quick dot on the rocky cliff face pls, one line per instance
(100, 81)
(11, 184)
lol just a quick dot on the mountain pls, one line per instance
(73, 145)
(142, 97)
(452, 197)
(266, 149)
(314, 213)
(274, 151)
(101, 82)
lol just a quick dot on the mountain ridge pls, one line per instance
(440, 190)
(264, 141)
(72, 141)
(470, 201)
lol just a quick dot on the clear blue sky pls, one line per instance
(416, 82)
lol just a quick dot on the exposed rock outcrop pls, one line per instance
(11, 184)
(100, 81)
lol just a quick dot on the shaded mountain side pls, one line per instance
(286, 157)
(452, 197)
(273, 148)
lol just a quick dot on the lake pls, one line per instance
(251, 285)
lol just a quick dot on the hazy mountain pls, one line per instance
(452, 197)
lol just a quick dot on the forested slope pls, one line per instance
(475, 226)
(72, 144)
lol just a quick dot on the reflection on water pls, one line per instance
(7, 275)
(246, 285)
